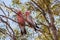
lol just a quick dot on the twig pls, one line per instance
(6, 18)
(5, 33)
(43, 12)
(7, 24)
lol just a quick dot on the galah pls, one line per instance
(21, 22)
(30, 21)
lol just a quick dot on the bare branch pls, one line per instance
(2, 11)
(12, 9)
(6, 18)
(43, 12)
(5, 33)
(12, 36)
(7, 24)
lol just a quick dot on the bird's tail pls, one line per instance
(36, 27)
(23, 31)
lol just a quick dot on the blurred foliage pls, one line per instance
(16, 2)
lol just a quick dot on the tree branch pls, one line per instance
(6, 19)
(7, 24)
(43, 12)
(5, 33)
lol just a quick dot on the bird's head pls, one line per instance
(27, 13)
(19, 12)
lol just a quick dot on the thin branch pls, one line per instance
(43, 12)
(7, 24)
(6, 18)
(2, 11)
(12, 36)
(5, 33)
(12, 9)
